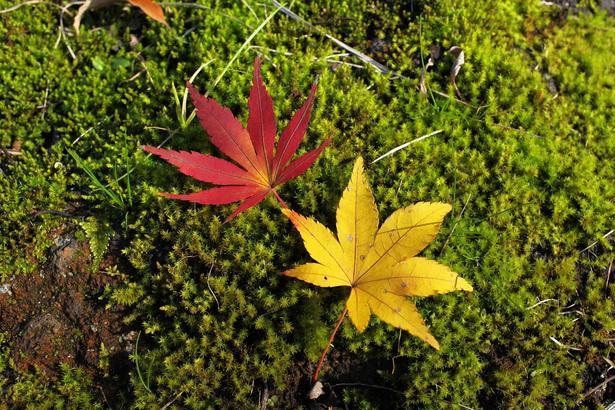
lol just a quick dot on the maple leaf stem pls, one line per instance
(280, 200)
(324, 353)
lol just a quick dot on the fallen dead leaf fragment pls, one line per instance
(433, 57)
(459, 61)
(149, 7)
(316, 391)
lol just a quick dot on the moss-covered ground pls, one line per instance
(526, 160)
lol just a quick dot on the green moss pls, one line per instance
(526, 166)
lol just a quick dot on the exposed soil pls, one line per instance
(343, 372)
(55, 316)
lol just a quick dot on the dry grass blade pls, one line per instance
(28, 3)
(209, 286)
(402, 146)
(185, 96)
(456, 223)
(87, 5)
(562, 345)
(173, 400)
(608, 278)
(535, 305)
(365, 58)
(606, 235)
(241, 49)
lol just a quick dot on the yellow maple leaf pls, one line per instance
(379, 265)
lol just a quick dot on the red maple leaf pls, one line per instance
(258, 171)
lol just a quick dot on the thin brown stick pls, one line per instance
(373, 386)
(324, 353)
(54, 212)
(598, 387)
